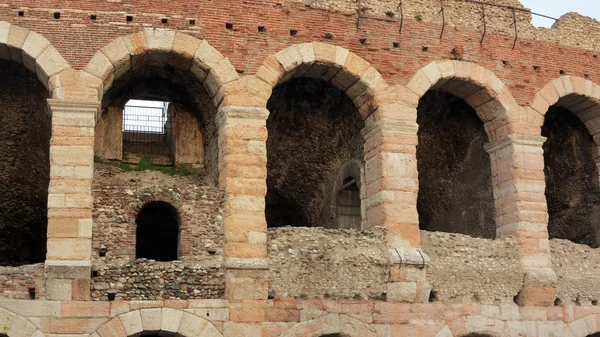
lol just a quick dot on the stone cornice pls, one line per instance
(515, 139)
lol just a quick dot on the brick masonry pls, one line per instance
(384, 63)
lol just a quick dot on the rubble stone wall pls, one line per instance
(576, 267)
(118, 197)
(150, 280)
(464, 269)
(319, 263)
(16, 282)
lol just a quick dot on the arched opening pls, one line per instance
(25, 130)
(348, 205)
(162, 114)
(313, 129)
(455, 183)
(572, 186)
(597, 334)
(332, 335)
(157, 232)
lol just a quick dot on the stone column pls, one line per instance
(243, 173)
(521, 211)
(70, 201)
(392, 185)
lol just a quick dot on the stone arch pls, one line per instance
(34, 51)
(161, 47)
(148, 196)
(331, 324)
(579, 95)
(478, 86)
(155, 320)
(14, 325)
(583, 327)
(477, 326)
(343, 69)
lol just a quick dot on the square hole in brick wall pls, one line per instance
(164, 20)
(262, 29)
(293, 32)
(192, 22)
(21, 13)
(93, 17)
(229, 26)
(57, 15)
(129, 18)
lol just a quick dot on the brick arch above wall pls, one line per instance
(582, 327)
(34, 51)
(162, 47)
(154, 320)
(336, 65)
(478, 86)
(579, 95)
(14, 325)
(331, 324)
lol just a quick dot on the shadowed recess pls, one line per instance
(455, 188)
(313, 130)
(190, 102)
(157, 232)
(25, 129)
(572, 189)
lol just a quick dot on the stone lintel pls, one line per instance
(413, 257)
(515, 140)
(247, 263)
(397, 126)
(68, 269)
(242, 115)
(65, 106)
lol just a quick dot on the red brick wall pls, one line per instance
(77, 37)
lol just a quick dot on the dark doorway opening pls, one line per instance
(572, 188)
(157, 233)
(348, 205)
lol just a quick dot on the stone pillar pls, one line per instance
(521, 211)
(392, 185)
(70, 201)
(243, 174)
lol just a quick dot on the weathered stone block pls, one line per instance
(402, 292)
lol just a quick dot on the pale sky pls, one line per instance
(556, 8)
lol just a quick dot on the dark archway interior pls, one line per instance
(185, 92)
(572, 188)
(313, 129)
(25, 130)
(157, 233)
(597, 334)
(332, 335)
(455, 184)
(478, 335)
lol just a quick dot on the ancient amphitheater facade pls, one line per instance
(319, 168)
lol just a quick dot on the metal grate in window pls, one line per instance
(148, 128)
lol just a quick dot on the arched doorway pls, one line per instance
(157, 232)
(455, 176)
(25, 130)
(572, 186)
